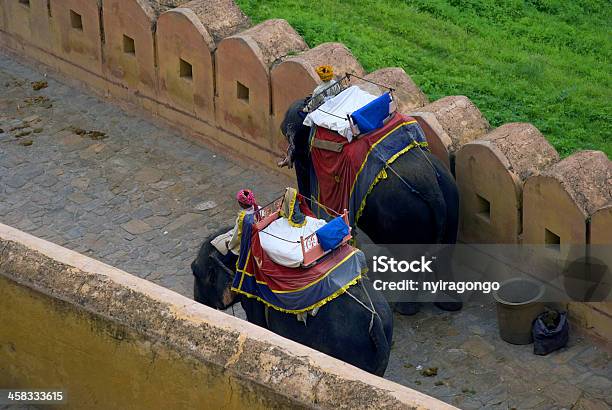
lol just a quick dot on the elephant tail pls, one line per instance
(376, 330)
(379, 338)
(382, 345)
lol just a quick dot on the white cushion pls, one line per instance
(282, 252)
(347, 102)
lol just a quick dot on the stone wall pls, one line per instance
(189, 35)
(569, 203)
(491, 201)
(112, 340)
(201, 67)
(198, 64)
(243, 63)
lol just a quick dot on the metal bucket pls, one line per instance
(518, 304)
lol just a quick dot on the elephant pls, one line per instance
(427, 209)
(342, 328)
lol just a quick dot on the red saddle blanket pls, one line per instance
(337, 172)
(293, 290)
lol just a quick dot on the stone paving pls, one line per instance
(82, 173)
(476, 369)
(110, 184)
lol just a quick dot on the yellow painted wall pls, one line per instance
(594, 316)
(47, 343)
(112, 340)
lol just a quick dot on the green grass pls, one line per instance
(539, 61)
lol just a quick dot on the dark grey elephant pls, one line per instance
(342, 328)
(427, 212)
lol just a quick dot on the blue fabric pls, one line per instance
(371, 116)
(548, 339)
(331, 234)
(332, 284)
(245, 240)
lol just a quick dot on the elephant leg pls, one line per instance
(451, 197)
(407, 308)
(448, 300)
(382, 346)
(255, 311)
(449, 306)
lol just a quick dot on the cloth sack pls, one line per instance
(332, 233)
(221, 241)
(550, 335)
(371, 117)
(333, 113)
(288, 250)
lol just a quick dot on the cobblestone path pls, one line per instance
(82, 173)
(110, 184)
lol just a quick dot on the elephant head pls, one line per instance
(298, 151)
(212, 280)
(296, 133)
